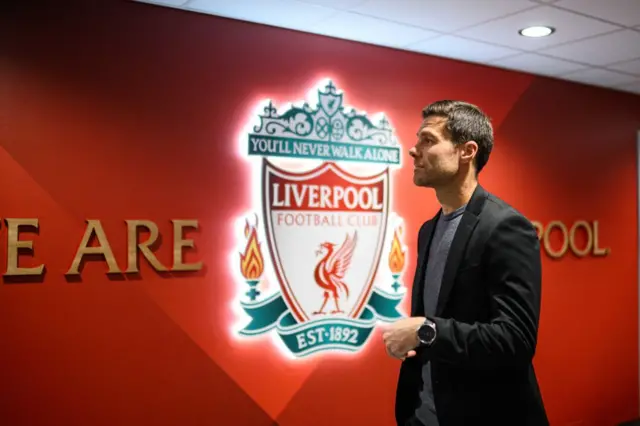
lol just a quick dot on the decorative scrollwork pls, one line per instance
(328, 121)
(357, 128)
(299, 122)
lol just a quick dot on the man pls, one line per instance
(468, 346)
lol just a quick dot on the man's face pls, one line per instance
(436, 159)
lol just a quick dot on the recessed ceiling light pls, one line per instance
(536, 31)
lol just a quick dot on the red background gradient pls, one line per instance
(118, 110)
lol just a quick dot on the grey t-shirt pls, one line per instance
(438, 251)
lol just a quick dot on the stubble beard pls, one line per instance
(419, 179)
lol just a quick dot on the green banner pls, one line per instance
(274, 146)
(323, 334)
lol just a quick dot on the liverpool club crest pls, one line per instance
(324, 228)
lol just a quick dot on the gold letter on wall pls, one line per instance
(132, 255)
(14, 245)
(179, 243)
(565, 239)
(597, 251)
(103, 248)
(572, 238)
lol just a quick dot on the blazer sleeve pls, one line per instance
(513, 271)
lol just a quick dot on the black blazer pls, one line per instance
(487, 322)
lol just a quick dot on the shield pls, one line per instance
(330, 102)
(325, 229)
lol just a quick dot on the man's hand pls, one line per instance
(401, 337)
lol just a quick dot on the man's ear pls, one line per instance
(468, 151)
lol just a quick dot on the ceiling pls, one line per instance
(595, 42)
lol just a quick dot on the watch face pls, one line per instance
(426, 333)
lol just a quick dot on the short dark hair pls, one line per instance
(465, 122)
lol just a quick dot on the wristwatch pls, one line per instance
(427, 332)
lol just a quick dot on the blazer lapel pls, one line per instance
(459, 244)
(417, 292)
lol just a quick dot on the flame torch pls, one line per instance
(396, 259)
(251, 261)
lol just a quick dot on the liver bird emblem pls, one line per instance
(330, 271)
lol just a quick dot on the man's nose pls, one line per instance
(412, 152)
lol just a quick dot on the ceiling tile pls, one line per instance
(633, 87)
(487, 31)
(281, 13)
(460, 48)
(441, 15)
(165, 2)
(624, 12)
(600, 77)
(632, 67)
(606, 49)
(569, 26)
(357, 27)
(335, 4)
(537, 64)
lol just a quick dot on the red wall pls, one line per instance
(129, 111)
